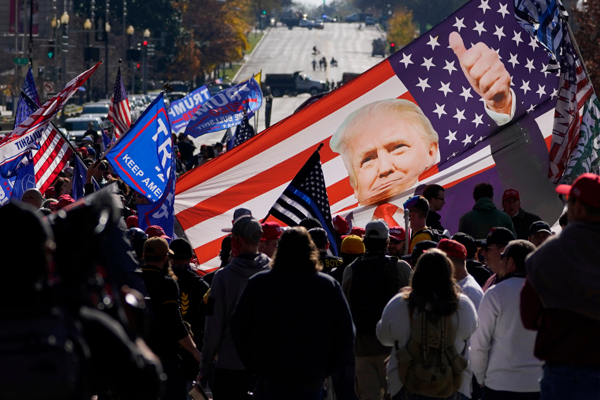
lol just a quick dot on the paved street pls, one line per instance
(286, 51)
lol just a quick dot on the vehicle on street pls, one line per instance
(293, 84)
(318, 24)
(77, 126)
(379, 47)
(370, 21)
(358, 17)
(93, 110)
(176, 96)
(290, 18)
(307, 23)
(327, 18)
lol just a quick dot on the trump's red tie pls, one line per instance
(386, 212)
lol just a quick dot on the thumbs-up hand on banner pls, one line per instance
(485, 72)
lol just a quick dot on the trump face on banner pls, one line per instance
(385, 146)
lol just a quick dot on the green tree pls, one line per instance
(401, 28)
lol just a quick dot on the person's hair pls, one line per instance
(47, 202)
(405, 109)
(518, 251)
(432, 191)
(209, 152)
(60, 182)
(375, 246)
(225, 249)
(218, 144)
(483, 190)
(563, 220)
(421, 207)
(433, 283)
(296, 252)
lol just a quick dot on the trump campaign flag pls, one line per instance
(226, 108)
(182, 110)
(161, 212)
(27, 135)
(472, 100)
(142, 157)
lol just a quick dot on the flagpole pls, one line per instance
(316, 151)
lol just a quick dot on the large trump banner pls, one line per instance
(473, 100)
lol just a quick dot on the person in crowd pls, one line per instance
(231, 380)
(186, 148)
(484, 216)
(310, 223)
(501, 347)
(492, 248)
(522, 220)
(457, 254)
(397, 246)
(358, 231)
(268, 242)
(237, 213)
(352, 248)
(62, 186)
(432, 290)
(341, 229)
(476, 269)
(33, 197)
(137, 237)
(436, 198)
(369, 283)
(418, 208)
(91, 132)
(560, 298)
(168, 331)
(192, 287)
(418, 251)
(218, 149)
(224, 256)
(327, 261)
(563, 220)
(156, 231)
(132, 222)
(291, 345)
(539, 232)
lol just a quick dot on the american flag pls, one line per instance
(546, 19)
(306, 197)
(51, 157)
(472, 147)
(243, 132)
(27, 135)
(119, 112)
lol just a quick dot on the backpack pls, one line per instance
(429, 364)
(436, 234)
(42, 356)
(372, 287)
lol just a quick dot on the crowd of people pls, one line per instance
(502, 309)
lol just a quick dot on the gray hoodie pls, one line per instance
(225, 291)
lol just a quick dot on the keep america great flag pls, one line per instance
(467, 142)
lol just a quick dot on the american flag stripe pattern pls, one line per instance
(425, 72)
(51, 158)
(26, 136)
(119, 112)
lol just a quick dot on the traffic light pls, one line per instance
(138, 65)
(51, 49)
(145, 43)
(392, 48)
(264, 12)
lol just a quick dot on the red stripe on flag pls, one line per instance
(339, 190)
(280, 132)
(207, 251)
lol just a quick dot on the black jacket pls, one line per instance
(522, 222)
(433, 221)
(291, 329)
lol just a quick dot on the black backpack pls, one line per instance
(42, 356)
(374, 283)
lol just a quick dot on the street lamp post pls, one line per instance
(130, 32)
(106, 32)
(145, 62)
(87, 26)
(64, 19)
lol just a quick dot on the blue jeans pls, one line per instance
(570, 383)
(318, 395)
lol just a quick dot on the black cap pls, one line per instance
(419, 249)
(539, 226)
(182, 249)
(319, 236)
(310, 223)
(500, 236)
(467, 241)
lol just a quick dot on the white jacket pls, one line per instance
(394, 326)
(501, 348)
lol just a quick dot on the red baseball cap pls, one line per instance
(340, 225)
(63, 201)
(397, 233)
(132, 221)
(271, 231)
(511, 193)
(585, 188)
(357, 231)
(156, 231)
(452, 248)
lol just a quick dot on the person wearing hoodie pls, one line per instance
(231, 380)
(484, 216)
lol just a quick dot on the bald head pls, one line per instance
(33, 197)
